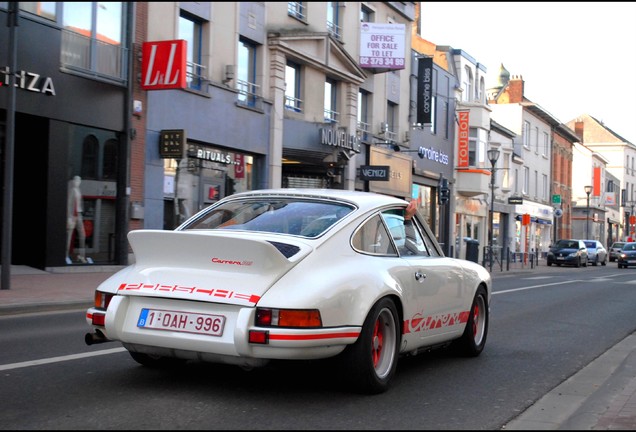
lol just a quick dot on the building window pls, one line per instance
(333, 20)
(296, 10)
(191, 30)
(90, 157)
(292, 87)
(526, 180)
(366, 14)
(505, 183)
(546, 143)
(516, 181)
(93, 39)
(331, 112)
(536, 139)
(544, 194)
(526, 134)
(363, 115)
(481, 91)
(246, 73)
(468, 83)
(42, 9)
(473, 136)
(391, 121)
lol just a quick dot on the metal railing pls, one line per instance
(93, 56)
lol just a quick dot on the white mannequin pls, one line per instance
(75, 220)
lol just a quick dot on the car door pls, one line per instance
(434, 302)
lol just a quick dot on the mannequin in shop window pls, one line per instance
(75, 221)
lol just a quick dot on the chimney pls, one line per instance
(579, 127)
(515, 89)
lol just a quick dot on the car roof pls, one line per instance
(363, 200)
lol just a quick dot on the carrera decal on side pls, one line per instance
(418, 323)
(212, 292)
(234, 262)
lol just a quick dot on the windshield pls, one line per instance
(571, 244)
(307, 218)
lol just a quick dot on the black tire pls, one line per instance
(595, 263)
(604, 262)
(473, 340)
(372, 360)
(549, 264)
(578, 262)
(153, 361)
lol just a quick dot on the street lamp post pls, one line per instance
(588, 191)
(493, 155)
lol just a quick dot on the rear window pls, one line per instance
(305, 218)
(590, 244)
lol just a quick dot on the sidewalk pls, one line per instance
(602, 396)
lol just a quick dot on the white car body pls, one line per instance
(220, 277)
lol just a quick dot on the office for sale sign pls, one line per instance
(382, 46)
(163, 65)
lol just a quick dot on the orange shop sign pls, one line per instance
(462, 140)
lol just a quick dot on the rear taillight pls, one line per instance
(99, 319)
(102, 299)
(293, 318)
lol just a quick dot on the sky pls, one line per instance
(574, 57)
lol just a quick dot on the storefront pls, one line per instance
(68, 125)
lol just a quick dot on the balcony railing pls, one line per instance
(293, 104)
(92, 56)
(248, 93)
(296, 9)
(331, 116)
(195, 75)
(334, 29)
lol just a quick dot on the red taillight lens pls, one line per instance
(99, 319)
(295, 318)
(259, 336)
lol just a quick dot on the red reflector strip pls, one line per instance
(314, 336)
(259, 337)
(99, 319)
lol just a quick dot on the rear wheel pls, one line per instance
(473, 340)
(372, 360)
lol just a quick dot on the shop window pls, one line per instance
(109, 170)
(93, 39)
(90, 157)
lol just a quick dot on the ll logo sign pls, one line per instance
(163, 65)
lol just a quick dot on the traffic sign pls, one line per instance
(556, 199)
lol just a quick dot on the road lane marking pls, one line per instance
(59, 359)
(535, 286)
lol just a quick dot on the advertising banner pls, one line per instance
(424, 90)
(163, 65)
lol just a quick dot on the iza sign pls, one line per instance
(163, 65)
(374, 172)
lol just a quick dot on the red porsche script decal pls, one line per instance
(419, 323)
(212, 292)
(216, 260)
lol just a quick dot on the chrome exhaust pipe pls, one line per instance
(95, 338)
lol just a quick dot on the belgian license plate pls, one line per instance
(186, 322)
(560, 258)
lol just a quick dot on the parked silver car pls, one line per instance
(596, 252)
(615, 251)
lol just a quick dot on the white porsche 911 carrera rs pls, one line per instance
(294, 274)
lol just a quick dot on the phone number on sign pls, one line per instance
(382, 61)
(187, 322)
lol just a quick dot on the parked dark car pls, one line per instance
(627, 257)
(569, 252)
(615, 250)
(596, 252)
